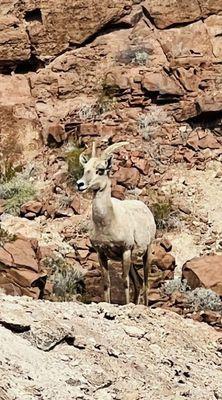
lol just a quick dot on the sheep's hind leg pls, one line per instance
(137, 283)
(104, 264)
(146, 269)
(126, 264)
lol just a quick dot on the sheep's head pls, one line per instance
(96, 169)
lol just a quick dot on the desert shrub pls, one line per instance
(16, 192)
(137, 56)
(197, 299)
(148, 123)
(175, 285)
(10, 152)
(204, 299)
(68, 280)
(72, 153)
(107, 99)
(86, 111)
(6, 237)
(164, 215)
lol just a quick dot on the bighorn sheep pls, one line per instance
(123, 230)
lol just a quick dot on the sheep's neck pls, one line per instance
(102, 208)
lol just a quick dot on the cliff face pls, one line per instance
(56, 56)
(77, 71)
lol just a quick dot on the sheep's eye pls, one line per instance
(100, 171)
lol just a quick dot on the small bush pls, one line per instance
(137, 56)
(16, 192)
(86, 111)
(175, 285)
(68, 280)
(165, 217)
(204, 299)
(10, 152)
(6, 237)
(148, 123)
(107, 100)
(197, 299)
(72, 153)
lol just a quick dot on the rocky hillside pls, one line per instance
(72, 73)
(129, 353)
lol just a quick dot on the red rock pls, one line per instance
(166, 13)
(209, 141)
(205, 272)
(80, 20)
(162, 259)
(118, 192)
(128, 177)
(162, 83)
(57, 132)
(76, 204)
(211, 317)
(154, 296)
(193, 141)
(14, 41)
(142, 165)
(32, 206)
(188, 156)
(185, 209)
(21, 273)
(186, 45)
(23, 277)
(96, 273)
(22, 254)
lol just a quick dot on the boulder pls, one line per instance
(205, 271)
(161, 257)
(191, 42)
(14, 42)
(32, 206)
(20, 273)
(162, 83)
(167, 12)
(127, 177)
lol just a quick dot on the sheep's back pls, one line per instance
(137, 219)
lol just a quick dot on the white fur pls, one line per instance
(123, 230)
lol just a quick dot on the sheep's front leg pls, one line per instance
(126, 264)
(104, 264)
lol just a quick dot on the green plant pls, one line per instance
(6, 237)
(86, 111)
(162, 211)
(137, 56)
(197, 299)
(68, 280)
(10, 153)
(16, 192)
(204, 299)
(72, 153)
(107, 100)
(141, 57)
(148, 123)
(175, 285)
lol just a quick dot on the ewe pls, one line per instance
(123, 230)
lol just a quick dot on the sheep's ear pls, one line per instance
(109, 160)
(83, 159)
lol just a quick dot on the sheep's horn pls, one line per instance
(113, 147)
(93, 150)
